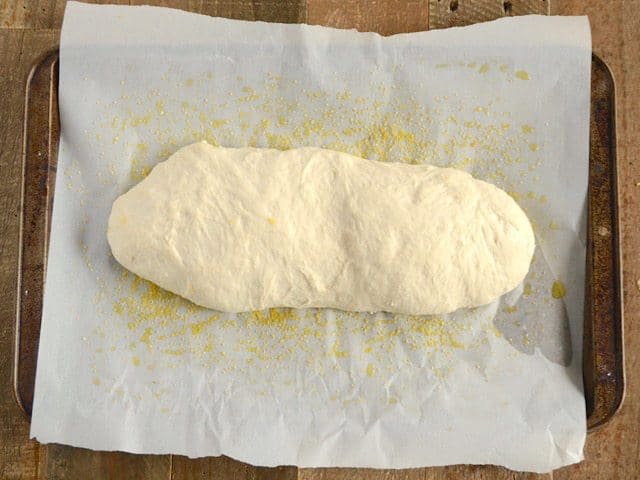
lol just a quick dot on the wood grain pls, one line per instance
(69, 463)
(360, 474)
(282, 11)
(30, 27)
(38, 14)
(455, 472)
(480, 472)
(225, 467)
(16, 14)
(453, 13)
(188, 5)
(384, 17)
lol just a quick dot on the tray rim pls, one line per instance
(52, 56)
(618, 284)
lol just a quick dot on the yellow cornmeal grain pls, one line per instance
(558, 289)
(280, 142)
(198, 327)
(154, 305)
(146, 337)
(160, 107)
(337, 351)
(274, 316)
(515, 195)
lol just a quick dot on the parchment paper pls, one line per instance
(124, 365)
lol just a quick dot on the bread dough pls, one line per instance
(239, 229)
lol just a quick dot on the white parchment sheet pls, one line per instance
(124, 365)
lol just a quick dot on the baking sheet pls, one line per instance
(500, 384)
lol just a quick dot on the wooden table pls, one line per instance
(28, 28)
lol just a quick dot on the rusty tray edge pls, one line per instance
(45, 66)
(597, 421)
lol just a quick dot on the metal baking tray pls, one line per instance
(603, 346)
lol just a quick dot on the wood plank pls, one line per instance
(19, 456)
(360, 474)
(453, 13)
(211, 467)
(480, 472)
(384, 17)
(39, 14)
(48, 14)
(16, 14)
(224, 467)
(455, 472)
(613, 451)
(63, 462)
(194, 6)
(187, 5)
(282, 11)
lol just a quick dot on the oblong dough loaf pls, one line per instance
(247, 228)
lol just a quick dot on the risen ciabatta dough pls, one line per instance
(239, 229)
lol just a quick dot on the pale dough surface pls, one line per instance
(245, 229)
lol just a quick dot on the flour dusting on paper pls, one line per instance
(499, 384)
